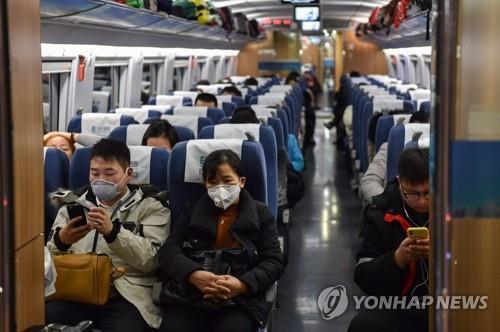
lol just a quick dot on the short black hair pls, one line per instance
(251, 81)
(220, 157)
(202, 82)
(413, 165)
(161, 128)
(206, 97)
(232, 90)
(110, 149)
(354, 73)
(420, 117)
(244, 115)
(290, 79)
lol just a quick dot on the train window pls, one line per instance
(150, 70)
(178, 75)
(55, 88)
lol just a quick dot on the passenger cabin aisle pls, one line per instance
(324, 241)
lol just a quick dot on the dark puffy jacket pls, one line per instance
(385, 225)
(254, 228)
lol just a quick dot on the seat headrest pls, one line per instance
(238, 131)
(189, 94)
(169, 100)
(140, 161)
(270, 100)
(146, 170)
(135, 134)
(380, 105)
(159, 108)
(281, 88)
(401, 119)
(100, 124)
(264, 113)
(412, 128)
(198, 150)
(140, 115)
(187, 121)
(224, 99)
(191, 110)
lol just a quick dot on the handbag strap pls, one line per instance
(94, 244)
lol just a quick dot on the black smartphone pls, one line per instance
(75, 210)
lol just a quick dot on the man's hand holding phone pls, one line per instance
(414, 247)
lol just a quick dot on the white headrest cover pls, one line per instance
(198, 150)
(140, 115)
(159, 108)
(100, 124)
(265, 112)
(140, 161)
(229, 130)
(191, 110)
(405, 117)
(224, 99)
(169, 100)
(412, 128)
(270, 100)
(281, 88)
(190, 94)
(187, 121)
(387, 104)
(135, 133)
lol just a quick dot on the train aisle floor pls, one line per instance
(323, 243)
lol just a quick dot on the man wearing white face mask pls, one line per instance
(227, 218)
(126, 222)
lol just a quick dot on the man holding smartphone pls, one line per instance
(126, 222)
(390, 263)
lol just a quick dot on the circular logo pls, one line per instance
(332, 302)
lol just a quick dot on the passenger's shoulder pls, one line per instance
(386, 199)
(151, 195)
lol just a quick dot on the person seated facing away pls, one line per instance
(66, 142)
(389, 262)
(244, 115)
(232, 91)
(127, 223)
(202, 82)
(374, 180)
(309, 105)
(251, 81)
(225, 217)
(206, 100)
(160, 134)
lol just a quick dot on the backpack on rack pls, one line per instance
(226, 18)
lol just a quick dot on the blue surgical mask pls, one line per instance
(106, 190)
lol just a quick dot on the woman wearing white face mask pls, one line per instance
(226, 218)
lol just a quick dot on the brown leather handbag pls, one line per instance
(83, 278)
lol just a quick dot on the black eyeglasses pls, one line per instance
(414, 196)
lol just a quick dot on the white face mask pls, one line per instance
(106, 190)
(224, 195)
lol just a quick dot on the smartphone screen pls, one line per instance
(76, 210)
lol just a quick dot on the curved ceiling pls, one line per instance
(335, 13)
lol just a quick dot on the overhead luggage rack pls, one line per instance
(110, 23)
(411, 33)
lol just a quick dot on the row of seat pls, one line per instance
(179, 171)
(123, 127)
(396, 101)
